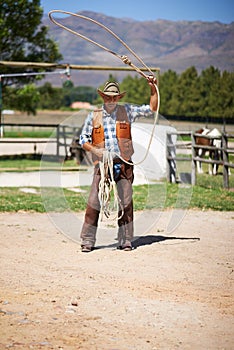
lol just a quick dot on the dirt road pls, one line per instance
(173, 291)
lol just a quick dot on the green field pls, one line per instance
(27, 163)
(162, 195)
(27, 133)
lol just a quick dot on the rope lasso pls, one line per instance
(123, 58)
(107, 182)
(106, 185)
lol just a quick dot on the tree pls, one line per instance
(226, 94)
(138, 91)
(28, 98)
(168, 86)
(23, 38)
(50, 97)
(210, 83)
(187, 92)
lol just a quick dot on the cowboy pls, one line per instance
(109, 129)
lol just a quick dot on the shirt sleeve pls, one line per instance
(86, 133)
(135, 111)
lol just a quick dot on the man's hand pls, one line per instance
(152, 80)
(95, 150)
(98, 151)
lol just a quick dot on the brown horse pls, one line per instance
(214, 154)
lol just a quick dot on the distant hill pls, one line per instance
(160, 43)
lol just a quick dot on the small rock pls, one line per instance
(74, 303)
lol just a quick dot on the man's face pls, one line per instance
(110, 102)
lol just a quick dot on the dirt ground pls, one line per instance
(173, 291)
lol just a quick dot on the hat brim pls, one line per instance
(108, 94)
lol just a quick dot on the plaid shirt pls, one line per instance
(109, 120)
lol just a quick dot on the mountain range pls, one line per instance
(160, 43)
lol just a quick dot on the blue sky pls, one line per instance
(174, 10)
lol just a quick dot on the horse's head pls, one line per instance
(199, 131)
(199, 140)
(203, 131)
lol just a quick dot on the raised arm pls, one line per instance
(152, 81)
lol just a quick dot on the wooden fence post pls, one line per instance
(57, 137)
(171, 163)
(193, 172)
(225, 161)
(193, 165)
(65, 140)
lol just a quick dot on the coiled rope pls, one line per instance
(106, 166)
(107, 184)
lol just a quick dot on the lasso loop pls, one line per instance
(123, 58)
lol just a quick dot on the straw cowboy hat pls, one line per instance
(111, 89)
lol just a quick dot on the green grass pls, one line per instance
(26, 164)
(207, 194)
(205, 180)
(26, 133)
(12, 200)
(214, 182)
(158, 196)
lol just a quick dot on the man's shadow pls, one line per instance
(140, 241)
(150, 239)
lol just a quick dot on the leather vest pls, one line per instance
(123, 132)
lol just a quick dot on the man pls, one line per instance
(109, 129)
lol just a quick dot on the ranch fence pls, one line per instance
(174, 151)
(61, 137)
(64, 139)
